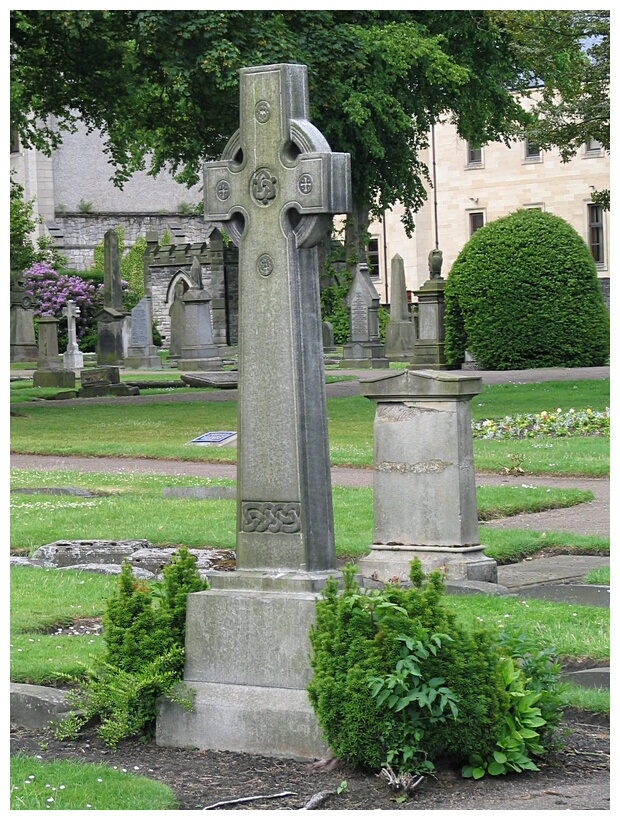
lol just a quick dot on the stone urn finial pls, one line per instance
(435, 260)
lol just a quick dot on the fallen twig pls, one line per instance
(248, 799)
(317, 800)
(404, 782)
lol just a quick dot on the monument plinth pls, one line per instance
(424, 487)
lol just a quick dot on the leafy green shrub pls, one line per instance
(524, 293)
(398, 682)
(144, 635)
(531, 678)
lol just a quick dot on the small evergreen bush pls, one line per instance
(397, 681)
(523, 293)
(144, 634)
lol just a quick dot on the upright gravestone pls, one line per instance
(111, 320)
(364, 348)
(73, 358)
(329, 345)
(198, 352)
(49, 372)
(400, 330)
(142, 353)
(23, 340)
(276, 188)
(177, 324)
(424, 486)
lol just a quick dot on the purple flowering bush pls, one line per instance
(51, 291)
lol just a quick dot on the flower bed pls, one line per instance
(554, 424)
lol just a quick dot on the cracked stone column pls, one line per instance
(423, 478)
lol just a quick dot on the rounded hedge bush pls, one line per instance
(524, 293)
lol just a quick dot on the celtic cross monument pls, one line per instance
(274, 192)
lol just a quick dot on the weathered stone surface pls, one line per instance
(424, 488)
(275, 190)
(35, 707)
(140, 553)
(200, 492)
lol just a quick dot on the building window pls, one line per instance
(474, 156)
(373, 258)
(476, 220)
(595, 233)
(593, 147)
(532, 151)
(14, 141)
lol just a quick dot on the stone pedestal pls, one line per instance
(49, 372)
(250, 692)
(423, 477)
(112, 336)
(428, 349)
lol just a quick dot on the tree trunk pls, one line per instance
(356, 234)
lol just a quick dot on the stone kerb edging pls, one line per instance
(100, 555)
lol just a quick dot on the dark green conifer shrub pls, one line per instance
(398, 681)
(144, 634)
(523, 293)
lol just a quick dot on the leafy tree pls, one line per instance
(558, 318)
(163, 85)
(567, 57)
(23, 251)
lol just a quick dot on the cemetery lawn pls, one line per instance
(163, 429)
(117, 501)
(55, 626)
(70, 785)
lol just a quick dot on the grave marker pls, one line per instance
(364, 348)
(275, 191)
(49, 372)
(111, 325)
(73, 358)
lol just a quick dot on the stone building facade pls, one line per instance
(471, 186)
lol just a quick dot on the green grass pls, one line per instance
(64, 785)
(40, 608)
(602, 576)
(161, 431)
(508, 546)
(45, 603)
(573, 631)
(499, 400)
(38, 519)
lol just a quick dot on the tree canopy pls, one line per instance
(567, 54)
(162, 86)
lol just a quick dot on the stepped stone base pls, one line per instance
(385, 563)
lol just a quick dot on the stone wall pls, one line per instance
(169, 264)
(78, 234)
